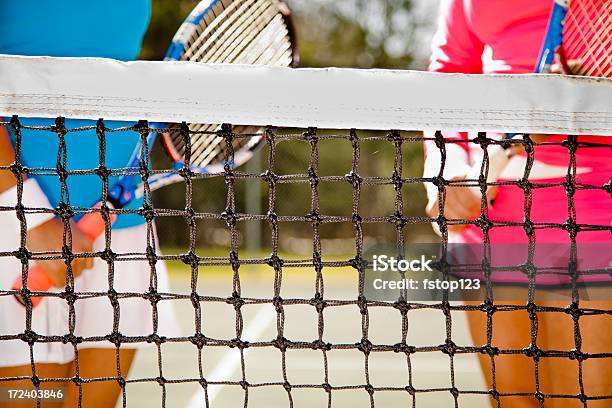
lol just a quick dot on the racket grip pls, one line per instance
(92, 225)
(498, 159)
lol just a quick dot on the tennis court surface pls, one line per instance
(269, 263)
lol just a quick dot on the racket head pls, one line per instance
(212, 20)
(254, 32)
(587, 38)
(579, 38)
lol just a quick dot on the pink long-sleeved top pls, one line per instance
(501, 36)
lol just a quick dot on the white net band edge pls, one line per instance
(92, 88)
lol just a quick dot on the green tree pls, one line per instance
(166, 18)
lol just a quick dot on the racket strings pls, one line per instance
(207, 147)
(208, 25)
(226, 26)
(587, 37)
(254, 41)
(241, 35)
(598, 39)
(256, 34)
(229, 22)
(222, 40)
(213, 149)
(205, 134)
(280, 54)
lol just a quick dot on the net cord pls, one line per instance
(326, 98)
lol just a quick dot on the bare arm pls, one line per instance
(47, 236)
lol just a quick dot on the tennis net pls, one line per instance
(271, 270)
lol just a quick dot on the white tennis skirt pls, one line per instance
(94, 317)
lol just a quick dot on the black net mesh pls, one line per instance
(362, 219)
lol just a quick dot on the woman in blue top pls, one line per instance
(72, 28)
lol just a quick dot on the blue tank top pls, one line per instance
(75, 28)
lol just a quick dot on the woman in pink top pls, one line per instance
(502, 36)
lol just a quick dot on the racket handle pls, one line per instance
(92, 225)
(498, 159)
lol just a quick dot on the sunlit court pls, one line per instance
(266, 203)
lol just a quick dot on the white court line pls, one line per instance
(231, 360)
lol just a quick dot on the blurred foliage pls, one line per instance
(356, 33)
(335, 198)
(344, 33)
(166, 18)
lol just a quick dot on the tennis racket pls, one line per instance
(257, 32)
(579, 42)
(579, 38)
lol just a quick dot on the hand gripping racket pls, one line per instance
(579, 41)
(257, 32)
